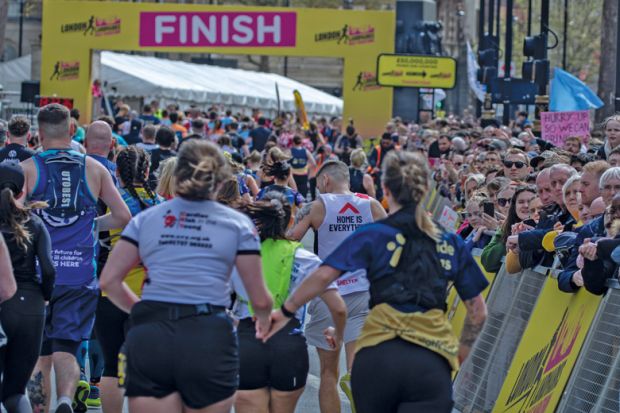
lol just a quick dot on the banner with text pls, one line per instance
(557, 126)
(549, 348)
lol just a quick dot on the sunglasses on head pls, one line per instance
(518, 164)
(504, 201)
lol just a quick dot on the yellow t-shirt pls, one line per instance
(135, 277)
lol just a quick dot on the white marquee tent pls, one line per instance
(176, 81)
(172, 81)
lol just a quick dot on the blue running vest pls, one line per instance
(70, 217)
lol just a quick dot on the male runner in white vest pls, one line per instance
(335, 215)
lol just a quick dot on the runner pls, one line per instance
(272, 155)
(166, 139)
(396, 368)
(23, 316)
(71, 183)
(323, 154)
(18, 133)
(335, 215)
(280, 172)
(194, 366)
(273, 375)
(301, 159)
(111, 322)
(360, 181)
(99, 144)
(165, 186)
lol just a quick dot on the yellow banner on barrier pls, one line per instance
(548, 351)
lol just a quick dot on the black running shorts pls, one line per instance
(400, 377)
(195, 356)
(281, 363)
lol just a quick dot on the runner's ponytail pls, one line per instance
(131, 163)
(406, 175)
(144, 162)
(199, 171)
(271, 215)
(15, 217)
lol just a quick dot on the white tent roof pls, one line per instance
(14, 72)
(172, 81)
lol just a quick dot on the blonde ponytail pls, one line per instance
(425, 223)
(199, 171)
(406, 175)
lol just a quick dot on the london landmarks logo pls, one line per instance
(65, 70)
(348, 35)
(96, 26)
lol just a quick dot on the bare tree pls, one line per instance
(4, 17)
(607, 70)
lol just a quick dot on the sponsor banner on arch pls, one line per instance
(548, 351)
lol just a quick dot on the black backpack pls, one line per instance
(418, 279)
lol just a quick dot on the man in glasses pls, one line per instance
(530, 242)
(516, 165)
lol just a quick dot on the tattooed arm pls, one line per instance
(310, 215)
(474, 320)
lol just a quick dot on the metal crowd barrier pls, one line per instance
(510, 305)
(595, 380)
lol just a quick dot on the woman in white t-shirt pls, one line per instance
(181, 352)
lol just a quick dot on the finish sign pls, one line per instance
(416, 71)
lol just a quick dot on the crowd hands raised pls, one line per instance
(157, 175)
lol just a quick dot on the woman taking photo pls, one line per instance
(273, 375)
(402, 363)
(505, 238)
(181, 351)
(22, 316)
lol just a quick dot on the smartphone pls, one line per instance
(488, 208)
(530, 222)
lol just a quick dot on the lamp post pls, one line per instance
(21, 27)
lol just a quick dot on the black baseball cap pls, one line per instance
(12, 176)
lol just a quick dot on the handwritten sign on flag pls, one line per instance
(557, 126)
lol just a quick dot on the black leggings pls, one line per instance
(111, 329)
(302, 184)
(312, 182)
(401, 377)
(23, 319)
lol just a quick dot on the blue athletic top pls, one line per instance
(300, 158)
(109, 165)
(294, 198)
(377, 248)
(70, 217)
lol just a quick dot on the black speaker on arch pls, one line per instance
(30, 90)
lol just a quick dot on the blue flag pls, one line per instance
(569, 93)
